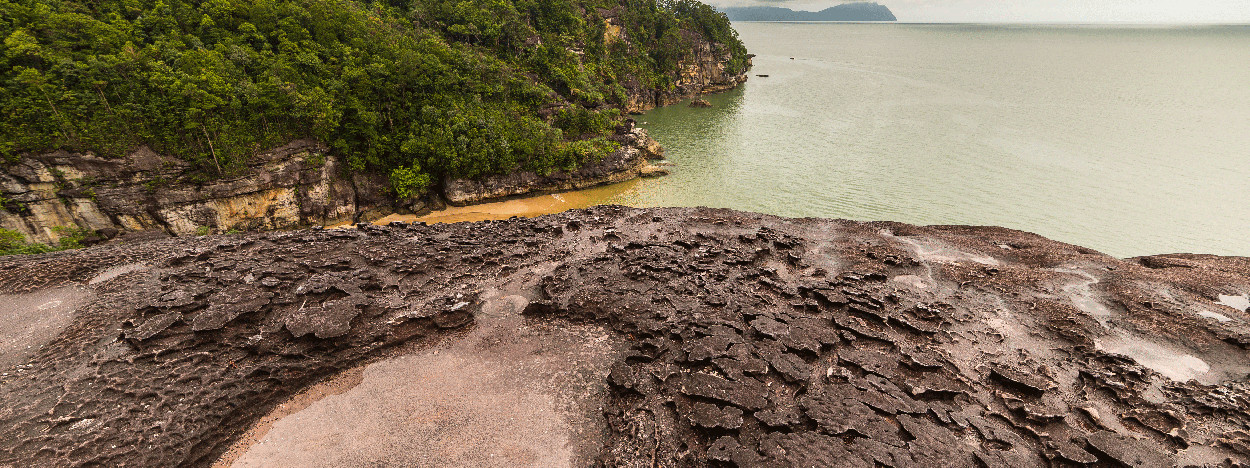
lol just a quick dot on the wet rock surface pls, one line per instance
(745, 339)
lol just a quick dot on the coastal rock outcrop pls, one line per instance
(297, 185)
(749, 339)
(292, 186)
(703, 71)
(447, 94)
(629, 161)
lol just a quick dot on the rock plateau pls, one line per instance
(678, 337)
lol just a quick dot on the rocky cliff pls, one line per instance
(704, 338)
(704, 71)
(296, 185)
(300, 184)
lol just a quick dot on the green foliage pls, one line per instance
(315, 159)
(577, 120)
(14, 243)
(203, 231)
(714, 25)
(409, 182)
(71, 236)
(584, 151)
(417, 90)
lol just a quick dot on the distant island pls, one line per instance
(858, 11)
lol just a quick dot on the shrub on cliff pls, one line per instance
(440, 87)
(14, 243)
(409, 182)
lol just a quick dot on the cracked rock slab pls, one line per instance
(738, 339)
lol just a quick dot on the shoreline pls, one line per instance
(524, 206)
(296, 185)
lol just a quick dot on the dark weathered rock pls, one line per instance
(753, 340)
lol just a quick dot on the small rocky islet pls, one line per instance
(736, 339)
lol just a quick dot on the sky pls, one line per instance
(1046, 11)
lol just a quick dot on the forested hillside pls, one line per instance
(416, 90)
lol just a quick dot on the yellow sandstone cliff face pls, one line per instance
(34, 203)
(291, 186)
(296, 185)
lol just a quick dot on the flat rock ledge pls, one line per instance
(746, 339)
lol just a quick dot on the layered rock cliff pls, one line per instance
(709, 338)
(296, 185)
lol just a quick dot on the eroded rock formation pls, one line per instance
(749, 339)
(297, 185)
(291, 186)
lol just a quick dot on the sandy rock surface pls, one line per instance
(624, 337)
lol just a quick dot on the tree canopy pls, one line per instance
(417, 90)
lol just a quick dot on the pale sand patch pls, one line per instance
(511, 392)
(29, 321)
(335, 385)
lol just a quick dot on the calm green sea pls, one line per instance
(1129, 140)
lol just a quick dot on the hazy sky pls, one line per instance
(1096, 11)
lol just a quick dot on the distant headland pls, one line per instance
(858, 11)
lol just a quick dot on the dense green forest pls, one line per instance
(415, 90)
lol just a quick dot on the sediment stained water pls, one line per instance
(1129, 140)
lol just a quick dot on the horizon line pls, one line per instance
(1018, 22)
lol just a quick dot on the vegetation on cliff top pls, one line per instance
(417, 90)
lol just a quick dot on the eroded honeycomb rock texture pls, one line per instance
(755, 340)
